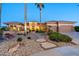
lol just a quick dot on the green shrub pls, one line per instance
(59, 37)
(1, 32)
(49, 32)
(65, 38)
(54, 36)
(40, 31)
(4, 29)
(76, 28)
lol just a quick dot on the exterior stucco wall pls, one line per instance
(66, 28)
(63, 26)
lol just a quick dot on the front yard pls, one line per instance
(37, 43)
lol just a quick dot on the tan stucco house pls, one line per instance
(64, 26)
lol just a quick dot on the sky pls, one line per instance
(51, 12)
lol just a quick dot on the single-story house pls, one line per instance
(63, 26)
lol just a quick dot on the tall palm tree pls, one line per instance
(40, 6)
(25, 18)
(0, 13)
(57, 26)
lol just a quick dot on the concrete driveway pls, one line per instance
(63, 51)
(60, 51)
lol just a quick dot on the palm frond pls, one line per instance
(43, 5)
(36, 3)
(39, 5)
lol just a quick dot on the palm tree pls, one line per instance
(40, 6)
(0, 13)
(57, 26)
(25, 18)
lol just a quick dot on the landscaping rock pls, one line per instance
(13, 49)
(47, 45)
(41, 40)
(75, 41)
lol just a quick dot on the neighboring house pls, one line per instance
(64, 26)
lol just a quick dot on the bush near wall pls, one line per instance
(1, 32)
(76, 28)
(49, 32)
(4, 29)
(59, 37)
(40, 31)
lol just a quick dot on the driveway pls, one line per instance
(60, 51)
(63, 51)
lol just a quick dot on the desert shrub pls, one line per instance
(65, 38)
(19, 39)
(37, 30)
(59, 37)
(9, 36)
(28, 37)
(76, 28)
(1, 32)
(20, 34)
(41, 31)
(49, 32)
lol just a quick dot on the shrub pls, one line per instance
(28, 37)
(65, 38)
(19, 39)
(59, 37)
(54, 36)
(76, 28)
(49, 32)
(37, 30)
(19, 33)
(1, 32)
(4, 29)
(41, 31)
(8, 35)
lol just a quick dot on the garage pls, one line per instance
(63, 26)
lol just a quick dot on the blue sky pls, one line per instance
(51, 12)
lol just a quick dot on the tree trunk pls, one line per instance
(40, 18)
(0, 13)
(57, 26)
(25, 18)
